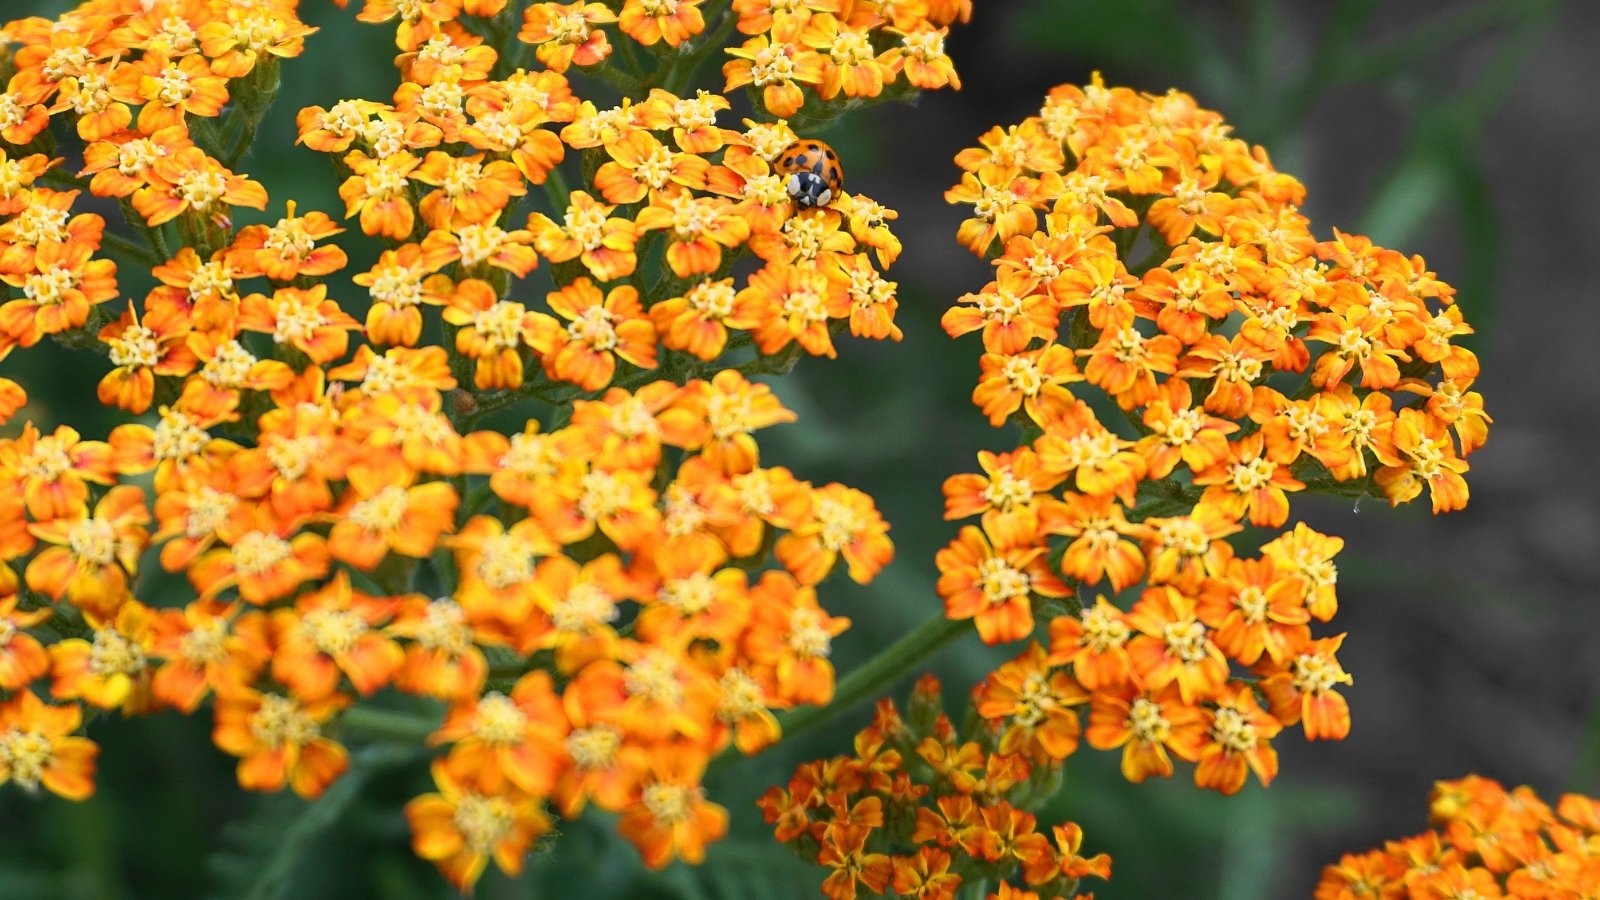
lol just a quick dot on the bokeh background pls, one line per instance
(1465, 131)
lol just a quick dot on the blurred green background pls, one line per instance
(1464, 131)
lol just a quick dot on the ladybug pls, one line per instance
(815, 176)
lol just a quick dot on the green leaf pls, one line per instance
(259, 855)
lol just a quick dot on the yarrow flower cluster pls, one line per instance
(1180, 355)
(952, 803)
(548, 536)
(1483, 841)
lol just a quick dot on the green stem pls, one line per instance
(116, 243)
(372, 724)
(870, 679)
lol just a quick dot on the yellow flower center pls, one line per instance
(333, 631)
(12, 113)
(176, 35)
(49, 288)
(1233, 731)
(729, 415)
(294, 323)
(1252, 603)
(688, 596)
(695, 112)
(772, 65)
(344, 118)
(26, 754)
(382, 182)
(530, 456)
(500, 129)
(173, 86)
(1252, 474)
(671, 804)
(93, 94)
(596, 327)
(483, 821)
(594, 748)
(850, 48)
(201, 188)
(926, 46)
(684, 514)
(383, 511)
(1001, 306)
(1001, 582)
(655, 678)
(584, 608)
(1184, 426)
(569, 27)
(655, 170)
(505, 560)
(1060, 120)
(741, 696)
(229, 366)
(768, 140)
(806, 235)
(417, 423)
(281, 722)
(293, 456)
(289, 239)
(1147, 723)
(136, 347)
(500, 325)
(93, 542)
(112, 653)
(1427, 458)
(396, 285)
(1184, 535)
(208, 509)
(39, 223)
(1100, 535)
(206, 643)
(462, 178)
(1103, 629)
(805, 306)
(442, 99)
(691, 217)
(1238, 368)
(712, 300)
(1185, 639)
(1006, 492)
(586, 225)
(1317, 674)
(212, 278)
(839, 523)
(499, 720)
(1023, 375)
(259, 551)
(479, 243)
(65, 62)
(755, 494)
(807, 636)
(1034, 701)
(659, 8)
(444, 627)
(48, 461)
(603, 495)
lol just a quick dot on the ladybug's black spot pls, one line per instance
(831, 154)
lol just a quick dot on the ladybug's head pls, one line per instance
(808, 189)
